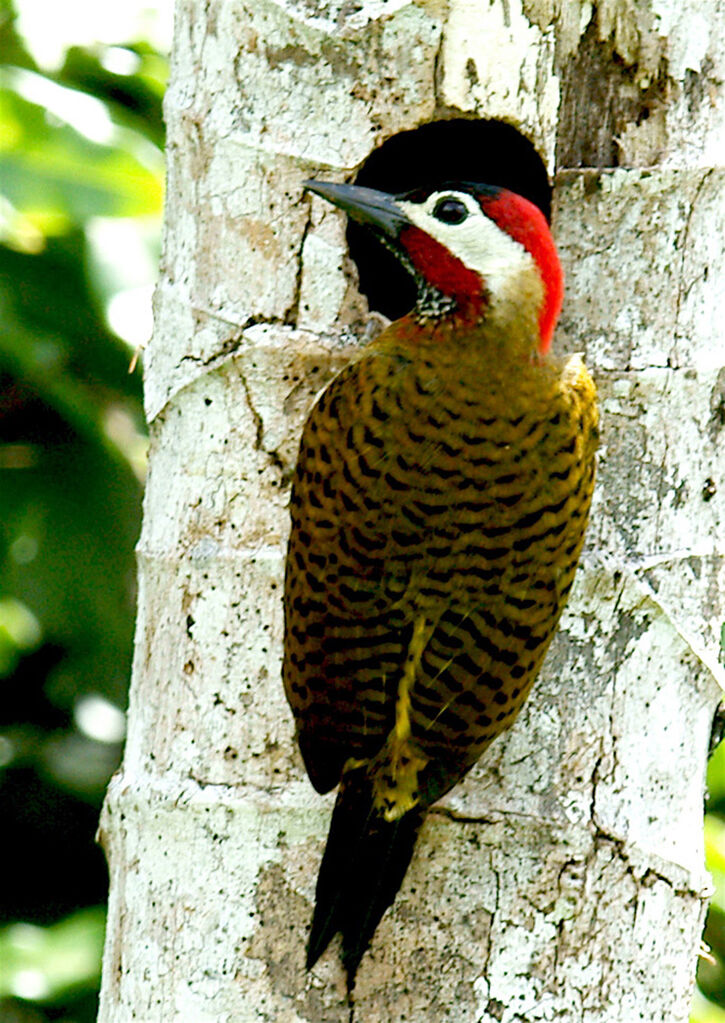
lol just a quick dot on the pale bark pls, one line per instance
(564, 879)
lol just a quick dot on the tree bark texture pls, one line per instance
(564, 879)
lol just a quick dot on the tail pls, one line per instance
(363, 866)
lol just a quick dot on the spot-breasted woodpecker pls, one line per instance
(438, 511)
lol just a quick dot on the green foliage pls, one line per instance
(80, 153)
(49, 963)
(711, 967)
(19, 632)
(40, 157)
(703, 1011)
(134, 99)
(69, 504)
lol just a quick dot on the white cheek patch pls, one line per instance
(479, 243)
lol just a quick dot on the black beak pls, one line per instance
(376, 209)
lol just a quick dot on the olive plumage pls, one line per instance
(439, 504)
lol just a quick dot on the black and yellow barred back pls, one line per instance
(438, 512)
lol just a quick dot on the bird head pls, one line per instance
(477, 252)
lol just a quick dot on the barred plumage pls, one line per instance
(438, 512)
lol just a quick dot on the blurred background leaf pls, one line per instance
(81, 185)
(51, 963)
(711, 967)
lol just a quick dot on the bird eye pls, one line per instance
(450, 211)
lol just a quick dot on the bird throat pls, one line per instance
(432, 303)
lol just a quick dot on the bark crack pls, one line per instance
(643, 877)
(496, 906)
(682, 291)
(461, 818)
(226, 348)
(203, 783)
(694, 646)
(662, 483)
(292, 315)
(272, 453)
(623, 372)
(438, 73)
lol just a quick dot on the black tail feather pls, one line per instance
(363, 866)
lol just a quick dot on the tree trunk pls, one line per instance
(564, 879)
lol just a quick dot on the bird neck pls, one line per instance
(498, 349)
(508, 317)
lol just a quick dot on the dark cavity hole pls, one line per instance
(489, 152)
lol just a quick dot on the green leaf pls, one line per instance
(19, 632)
(69, 491)
(716, 776)
(134, 99)
(51, 171)
(45, 963)
(715, 855)
(54, 336)
(704, 1011)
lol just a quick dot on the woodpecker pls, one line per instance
(438, 507)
